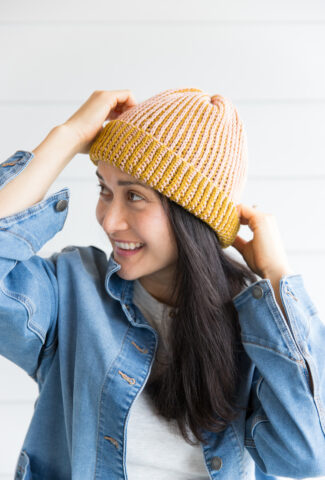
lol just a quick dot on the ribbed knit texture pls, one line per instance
(188, 145)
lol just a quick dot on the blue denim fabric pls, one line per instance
(69, 321)
(259, 475)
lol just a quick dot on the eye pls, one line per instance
(133, 193)
(101, 187)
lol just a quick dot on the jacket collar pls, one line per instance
(122, 290)
(117, 287)
(114, 285)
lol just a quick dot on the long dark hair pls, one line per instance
(197, 384)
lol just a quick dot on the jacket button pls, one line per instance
(257, 291)
(61, 205)
(216, 463)
(68, 249)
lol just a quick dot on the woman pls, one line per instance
(169, 359)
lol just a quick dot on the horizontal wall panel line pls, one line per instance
(292, 67)
(319, 251)
(243, 101)
(16, 401)
(152, 22)
(289, 178)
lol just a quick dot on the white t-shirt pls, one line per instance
(155, 448)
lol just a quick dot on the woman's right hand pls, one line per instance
(87, 122)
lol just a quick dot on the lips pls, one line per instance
(134, 243)
(126, 241)
(127, 253)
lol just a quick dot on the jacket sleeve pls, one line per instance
(28, 282)
(285, 428)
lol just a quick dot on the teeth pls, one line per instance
(128, 246)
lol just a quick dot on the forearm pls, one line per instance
(31, 185)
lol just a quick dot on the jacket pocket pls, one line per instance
(23, 470)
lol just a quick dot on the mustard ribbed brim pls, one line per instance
(139, 154)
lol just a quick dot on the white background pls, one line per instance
(267, 57)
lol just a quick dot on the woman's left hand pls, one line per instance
(264, 253)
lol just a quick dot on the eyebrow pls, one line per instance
(125, 182)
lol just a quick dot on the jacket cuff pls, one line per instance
(262, 321)
(24, 233)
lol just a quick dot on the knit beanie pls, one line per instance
(188, 145)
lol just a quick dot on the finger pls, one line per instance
(246, 213)
(242, 208)
(126, 98)
(239, 244)
(123, 101)
(242, 213)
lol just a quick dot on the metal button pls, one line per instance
(257, 291)
(61, 205)
(68, 249)
(216, 463)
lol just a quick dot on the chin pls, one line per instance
(126, 276)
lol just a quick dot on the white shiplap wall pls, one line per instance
(268, 57)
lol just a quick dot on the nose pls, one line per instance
(114, 218)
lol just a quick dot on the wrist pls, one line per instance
(68, 138)
(277, 274)
(59, 147)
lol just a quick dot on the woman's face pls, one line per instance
(134, 213)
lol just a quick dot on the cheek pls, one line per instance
(159, 232)
(154, 225)
(99, 212)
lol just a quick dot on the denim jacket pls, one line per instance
(69, 321)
